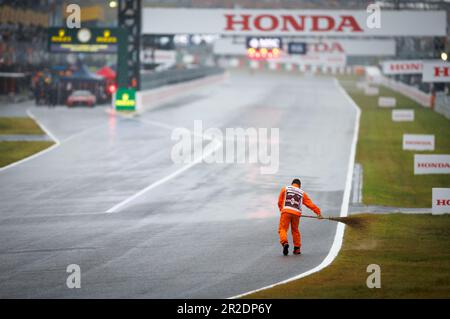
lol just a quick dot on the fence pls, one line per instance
(442, 104)
(413, 93)
(157, 79)
(151, 98)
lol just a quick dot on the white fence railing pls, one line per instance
(413, 93)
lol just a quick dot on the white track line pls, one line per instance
(337, 243)
(163, 180)
(43, 127)
(167, 178)
(51, 148)
(47, 131)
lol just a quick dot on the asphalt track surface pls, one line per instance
(209, 232)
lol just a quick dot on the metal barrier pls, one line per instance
(442, 104)
(151, 98)
(413, 93)
(158, 79)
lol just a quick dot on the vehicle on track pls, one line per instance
(81, 97)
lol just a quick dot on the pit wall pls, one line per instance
(150, 99)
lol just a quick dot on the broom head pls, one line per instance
(351, 221)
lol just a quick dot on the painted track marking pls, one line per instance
(163, 180)
(47, 131)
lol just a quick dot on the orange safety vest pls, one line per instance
(292, 198)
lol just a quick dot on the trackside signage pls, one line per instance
(402, 115)
(402, 67)
(441, 201)
(315, 60)
(436, 71)
(349, 47)
(418, 142)
(386, 101)
(431, 164)
(125, 100)
(371, 90)
(292, 22)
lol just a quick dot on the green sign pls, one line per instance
(125, 99)
(87, 40)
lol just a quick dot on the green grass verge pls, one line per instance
(412, 251)
(388, 171)
(11, 152)
(19, 125)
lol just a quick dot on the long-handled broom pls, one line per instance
(350, 221)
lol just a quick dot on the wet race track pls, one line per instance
(202, 231)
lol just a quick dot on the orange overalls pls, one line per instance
(290, 204)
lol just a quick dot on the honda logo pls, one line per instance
(288, 23)
(441, 71)
(443, 202)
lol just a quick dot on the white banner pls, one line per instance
(436, 71)
(372, 47)
(292, 22)
(385, 101)
(230, 46)
(402, 115)
(418, 142)
(315, 59)
(441, 201)
(431, 164)
(402, 67)
(373, 75)
(371, 90)
(375, 47)
(330, 58)
(158, 56)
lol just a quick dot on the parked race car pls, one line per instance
(81, 97)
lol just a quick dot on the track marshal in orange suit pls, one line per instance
(290, 203)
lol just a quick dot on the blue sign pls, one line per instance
(297, 48)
